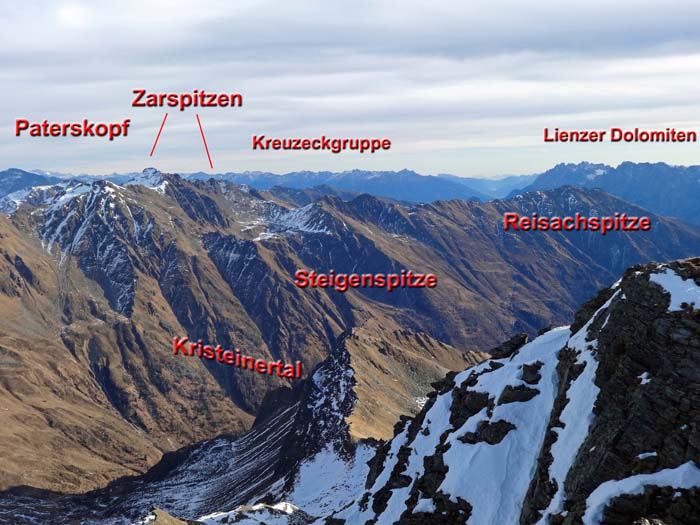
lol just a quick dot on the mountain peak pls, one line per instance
(150, 178)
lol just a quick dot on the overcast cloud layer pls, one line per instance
(463, 89)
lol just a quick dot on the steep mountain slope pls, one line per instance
(80, 377)
(314, 430)
(578, 426)
(593, 423)
(666, 190)
(105, 276)
(506, 281)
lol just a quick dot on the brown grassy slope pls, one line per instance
(494, 283)
(88, 394)
(394, 369)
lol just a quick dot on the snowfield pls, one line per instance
(507, 467)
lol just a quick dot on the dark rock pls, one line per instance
(531, 373)
(517, 394)
(491, 433)
(508, 348)
(544, 330)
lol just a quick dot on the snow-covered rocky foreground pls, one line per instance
(597, 423)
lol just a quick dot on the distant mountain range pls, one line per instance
(667, 190)
(664, 189)
(494, 188)
(404, 185)
(14, 180)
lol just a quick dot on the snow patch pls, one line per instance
(150, 178)
(681, 290)
(264, 236)
(644, 378)
(596, 173)
(326, 483)
(506, 467)
(646, 455)
(308, 219)
(277, 514)
(424, 505)
(421, 401)
(685, 476)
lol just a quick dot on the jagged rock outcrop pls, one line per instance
(593, 424)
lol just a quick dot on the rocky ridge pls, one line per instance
(588, 424)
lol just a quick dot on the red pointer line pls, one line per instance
(158, 136)
(205, 141)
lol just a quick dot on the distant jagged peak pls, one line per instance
(150, 178)
(582, 165)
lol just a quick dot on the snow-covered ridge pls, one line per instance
(577, 416)
(685, 476)
(276, 221)
(307, 219)
(68, 213)
(11, 202)
(278, 514)
(99, 224)
(61, 193)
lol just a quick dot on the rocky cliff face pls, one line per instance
(588, 424)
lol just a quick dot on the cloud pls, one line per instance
(465, 89)
(74, 15)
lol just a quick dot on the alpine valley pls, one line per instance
(413, 410)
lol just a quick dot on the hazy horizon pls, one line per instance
(459, 89)
(498, 176)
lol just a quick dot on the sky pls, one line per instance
(458, 87)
